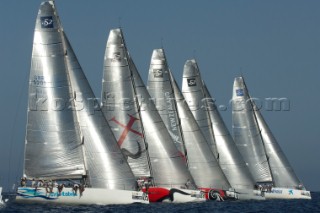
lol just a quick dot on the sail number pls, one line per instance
(38, 80)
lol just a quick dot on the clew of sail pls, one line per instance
(52, 143)
(201, 162)
(247, 134)
(203, 107)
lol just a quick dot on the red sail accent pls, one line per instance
(127, 129)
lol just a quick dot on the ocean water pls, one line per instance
(288, 206)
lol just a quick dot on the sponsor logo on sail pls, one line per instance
(191, 82)
(46, 22)
(116, 57)
(239, 92)
(157, 73)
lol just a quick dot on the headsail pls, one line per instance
(247, 133)
(106, 165)
(53, 146)
(122, 80)
(282, 172)
(201, 162)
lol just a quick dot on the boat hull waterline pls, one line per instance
(89, 196)
(287, 193)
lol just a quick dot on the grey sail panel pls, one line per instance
(160, 89)
(192, 92)
(53, 146)
(120, 105)
(247, 134)
(230, 159)
(282, 173)
(168, 166)
(107, 166)
(202, 163)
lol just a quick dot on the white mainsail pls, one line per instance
(205, 112)
(129, 110)
(247, 135)
(53, 146)
(201, 162)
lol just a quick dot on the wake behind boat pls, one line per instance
(71, 156)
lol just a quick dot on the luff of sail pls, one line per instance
(168, 168)
(201, 162)
(230, 159)
(247, 134)
(106, 165)
(119, 105)
(53, 146)
(282, 172)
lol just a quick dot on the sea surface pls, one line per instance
(288, 206)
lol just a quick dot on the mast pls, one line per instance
(230, 159)
(247, 134)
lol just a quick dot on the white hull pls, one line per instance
(287, 193)
(1, 202)
(90, 196)
(249, 194)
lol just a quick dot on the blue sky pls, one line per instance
(274, 44)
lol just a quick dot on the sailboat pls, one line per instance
(139, 129)
(184, 129)
(212, 125)
(265, 159)
(1, 201)
(71, 155)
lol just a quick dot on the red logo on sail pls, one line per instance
(127, 128)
